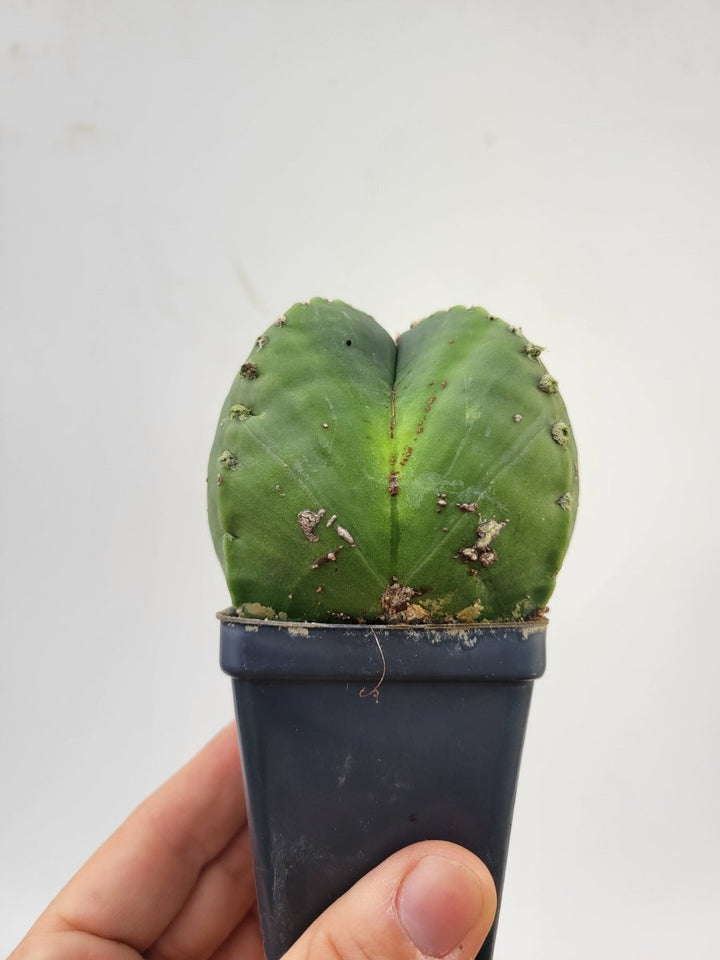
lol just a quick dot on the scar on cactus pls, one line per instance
(397, 604)
(470, 614)
(481, 552)
(487, 531)
(308, 521)
(345, 535)
(329, 557)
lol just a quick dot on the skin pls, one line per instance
(174, 882)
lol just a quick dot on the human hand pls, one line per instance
(175, 882)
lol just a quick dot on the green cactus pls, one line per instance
(353, 478)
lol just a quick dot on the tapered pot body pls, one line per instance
(357, 740)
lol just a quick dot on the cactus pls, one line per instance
(429, 481)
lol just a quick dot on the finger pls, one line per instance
(132, 888)
(244, 943)
(224, 894)
(71, 945)
(433, 899)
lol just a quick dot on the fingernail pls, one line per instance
(438, 903)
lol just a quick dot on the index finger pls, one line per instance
(134, 885)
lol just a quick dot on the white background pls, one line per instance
(174, 176)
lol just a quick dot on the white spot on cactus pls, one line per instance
(517, 418)
(560, 433)
(533, 350)
(565, 501)
(332, 520)
(466, 507)
(281, 321)
(240, 412)
(261, 341)
(308, 521)
(548, 384)
(228, 460)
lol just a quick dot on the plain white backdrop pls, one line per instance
(175, 175)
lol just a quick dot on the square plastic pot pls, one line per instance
(357, 740)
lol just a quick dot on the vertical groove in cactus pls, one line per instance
(353, 478)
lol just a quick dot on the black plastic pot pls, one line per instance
(357, 740)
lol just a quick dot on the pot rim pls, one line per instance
(285, 650)
(228, 616)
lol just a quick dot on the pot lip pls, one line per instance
(281, 649)
(539, 623)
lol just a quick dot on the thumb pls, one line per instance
(432, 899)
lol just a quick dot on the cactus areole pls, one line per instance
(432, 479)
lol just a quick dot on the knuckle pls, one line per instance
(330, 944)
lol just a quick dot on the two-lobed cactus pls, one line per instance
(353, 478)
